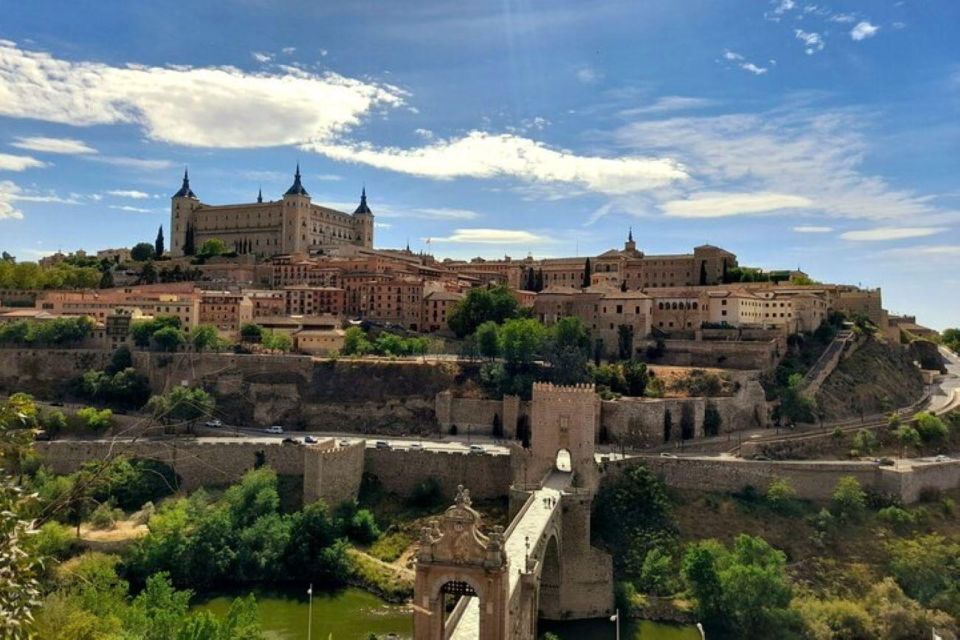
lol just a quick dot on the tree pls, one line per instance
(142, 251)
(182, 403)
(930, 427)
(168, 339)
(848, 501)
(276, 340)
(106, 280)
(625, 341)
(203, 337)
(586, 273)
(497, 429)
(158, 243)
(567, 347)
(667, 425)
(212, 247)
(795, 404)
(254, 332)
(480, 305)
(521, 340)
(907, 436)
(355, 342)
(488, 339)
(635, 378)
(951, 339)
(148, 275)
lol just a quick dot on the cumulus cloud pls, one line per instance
(19, 163)
(220, 107)
(11, 193)
(863, 30)
(492, 236)
(813, 42)
(260, 56)
(66, 146)
(754, 69)
(129, 193)
(891, 233)
(485, 155)
(843, 18)
(812, 229)
(720, 205)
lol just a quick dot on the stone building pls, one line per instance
(290, 225)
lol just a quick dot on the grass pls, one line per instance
(392, 583)
(391, 545)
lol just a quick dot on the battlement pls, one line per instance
(549, 387)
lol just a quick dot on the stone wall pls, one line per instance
(761, 356)
(815, 480)
(400, 471)
(477, 414)
(332, 474)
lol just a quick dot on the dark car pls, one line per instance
(41, 435)
(310, 440)
(289, 441)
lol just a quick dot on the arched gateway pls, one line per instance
(471, 586)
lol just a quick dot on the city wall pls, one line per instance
(332, 474)
(811, 480)
(742, 354)
(400, 471)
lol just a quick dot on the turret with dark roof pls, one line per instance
(362, 207)
(296, 189)
(185, 191)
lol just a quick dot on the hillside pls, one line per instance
(876, 378)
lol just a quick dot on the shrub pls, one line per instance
(781, 496)
(105, 516)
(657, 573)
(930, 427)
(865, 442)
(849, 500)
(896, 517)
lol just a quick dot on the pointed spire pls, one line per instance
(259, 194)
(363, 208)
(630, 235)
(296, 189)
(185, 191)
(408, 245)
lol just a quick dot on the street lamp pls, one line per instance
(615, 618)
(310, 613)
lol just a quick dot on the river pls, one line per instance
(352, 614)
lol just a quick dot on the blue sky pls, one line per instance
(821, 135)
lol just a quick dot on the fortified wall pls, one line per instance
(815, 480)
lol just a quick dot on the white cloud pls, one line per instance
(127, 207)
(11, 192)
(426, 134)
(732, 55)
(812, 229)
(720, 205)
(139, 164)
(327, 177)
(262, 57)
(19, 163)
(220, 107)
(891, 233)
(863, 30)
(588, 75)
(667, 104)
(484, 155)
(843, 18)
(492, 236)
(288, 50)
(69, 146)
(442, 213)
(794, 149)
(754, 69)
(812, 41)
(129, 193)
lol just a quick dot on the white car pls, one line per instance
(416, 445)
(214, 424)
(274, 429)
(475, 448)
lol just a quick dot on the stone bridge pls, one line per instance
(495, 586)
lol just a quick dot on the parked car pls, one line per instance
(56, 403)
(344, 443)
(310, 440)
(289, 441)
(476, 448)
(41, 435)
(886, 462)
(382, 444)
(213, 424)
(941, 458)
(416, 445)
(274, 429)
(667, 455)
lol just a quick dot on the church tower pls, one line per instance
(364, 221)
(296, 212)
(630, 245)
(182, 205)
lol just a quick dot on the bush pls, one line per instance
(782, 497)
(896, 517)
(849, 501)
(91, 419)
(930, 427)
(426, 495)
(55, 540)
(105, 516)
(658, 573)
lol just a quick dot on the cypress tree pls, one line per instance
(586, 274)
(158, 245)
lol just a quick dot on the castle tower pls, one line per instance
(364, 221)
(182, 205)
(630, 245)
(296, 212)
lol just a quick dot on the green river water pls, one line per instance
(352, 614)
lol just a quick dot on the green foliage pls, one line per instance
(211, 248)
(144, 332)
(658, 573)
(181, 404)
(19, 586)
(427, 495)
(143, 251)
(276, 340)
(54, 540)
(92, 419)
(520, 341)
(124, 388)
(629, 378)
(496, 304)
(744, 589)
(132, 483)
(830, 619)
(488, 339)
(29, 275)
(928, 569)
(896, 517)
(105, 516)
(849, 501)
(930, 427)
(951, 339)
(204, 337)
(795, 404)
(254, 332)
(865, 442)
(356, 342)
(782, 497)
(169, 339)
(59, 331)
